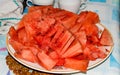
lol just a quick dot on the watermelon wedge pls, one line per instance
(76, 64)
(73, 50)
(106, 38)
(46, 61)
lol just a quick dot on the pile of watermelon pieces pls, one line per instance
(55, 37)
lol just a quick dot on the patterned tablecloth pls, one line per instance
(108, 11)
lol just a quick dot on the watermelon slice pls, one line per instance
(106, 38)
(22, 36)
(82, 16)
(76, 64)
(13, 33)
(46, 61)
(82, 37)
(54, 55)
(69, 20)
(92, 17)
(63, 40)
(75, 28)
(26, 54)
(73, 50)
(60, 62)
(16, 45)
(59, 29)
(67, 45)
(59, 15)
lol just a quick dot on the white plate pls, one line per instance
(63, 70)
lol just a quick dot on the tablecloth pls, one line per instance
(108, 11)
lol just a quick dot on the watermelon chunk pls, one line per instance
(90, 29)
(93, 52)
(82, 16)
(22, 36)
(63, 40)
(46, 61)
(106, 38)
(81, 56)
(73, 50)
(26, 54)
(53, 55)
(76, 64)
(92, 17)
(103, 51)
(69, 20)
(92, 39)
(60, 62)
(81, 35)
(67, 45)
(16, 45)
(13, 33)
(75, 28)
(59, 31)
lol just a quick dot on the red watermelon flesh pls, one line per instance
(76, 64)
(106, 38)
(59, 37)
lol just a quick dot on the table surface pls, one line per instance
(108, 11)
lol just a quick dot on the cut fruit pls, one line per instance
(13, 33)
(69, 20)
(53, 55)
(60, 62)
(75, 28)
(76, 64)
(73, 50)
(22, 36)
(67, 45)
(17, 46)
(26, 54)
(59, 29)
(46, 61)
(54, 37)
(63, 40)
(81, 35)
(106, 38)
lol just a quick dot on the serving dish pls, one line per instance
(57, 70)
